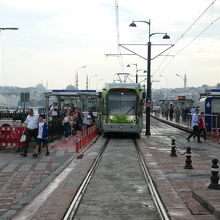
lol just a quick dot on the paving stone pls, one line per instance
(25, 167)
(41, 166)
(9, 168)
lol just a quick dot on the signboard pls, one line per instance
(24, 97)
(148, 103)
(181, 97)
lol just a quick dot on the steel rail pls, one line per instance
(76, 201)
(155, 196)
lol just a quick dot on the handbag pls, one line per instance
(23, 138)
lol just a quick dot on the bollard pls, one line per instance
(211, 136)
(173, 149)
(188, 162)
(80, 156)
(217, 135)
(214, 178)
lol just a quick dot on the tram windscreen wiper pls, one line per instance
(129, 110)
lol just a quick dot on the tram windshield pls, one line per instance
(120, 103)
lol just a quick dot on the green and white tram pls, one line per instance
(122, 108)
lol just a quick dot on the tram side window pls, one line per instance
(122, 103)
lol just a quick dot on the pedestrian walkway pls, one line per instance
(26, 176)
(184, 192)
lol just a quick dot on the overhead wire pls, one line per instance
(182, 35)
(187, 45)
(197, 36)
(197, 19)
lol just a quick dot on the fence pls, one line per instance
(85, 137)
(10, 136)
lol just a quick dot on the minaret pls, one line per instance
(87, 82)
(76, 81)
(185, 80)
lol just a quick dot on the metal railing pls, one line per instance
(214, 119)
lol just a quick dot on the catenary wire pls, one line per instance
(182, 35)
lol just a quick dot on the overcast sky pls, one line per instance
(56, 38)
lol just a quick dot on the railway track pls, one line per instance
(118, 186)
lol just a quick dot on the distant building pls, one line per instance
(70, 87)
(40, 86)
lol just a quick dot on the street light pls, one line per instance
(136, 75)
(136, 72)
(91, 77)
(77, 78)
(98, 82)
(184, 81)
(148, 98)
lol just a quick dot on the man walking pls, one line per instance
(195, 123)
(31, 129)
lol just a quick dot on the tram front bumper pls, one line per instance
(122, 128)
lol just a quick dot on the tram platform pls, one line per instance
(22, 178)
(24, 193)
(191, 198)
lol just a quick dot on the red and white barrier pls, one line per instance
(10, 136)
(85, 137)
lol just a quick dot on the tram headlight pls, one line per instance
(110, 118)
(132, 118)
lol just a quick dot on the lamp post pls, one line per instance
(98, 82)
(137, 70)
(148, 98)
(91, 78)
(77, 77)
(184, 81)
(136, 75)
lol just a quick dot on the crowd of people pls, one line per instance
(197, 118)
(36, 126)
(173, 112)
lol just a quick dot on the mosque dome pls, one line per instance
(70, 87)
(40, 86)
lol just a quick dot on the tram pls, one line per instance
(122, 108)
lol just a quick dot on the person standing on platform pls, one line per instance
(66, 125)
(195, 123)
(54, 110)
(171, 111)
(77, 121)
(90, 119)
(30, 129)
(193, 110)
(177, 114)
(42, 137)
(201, 126)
